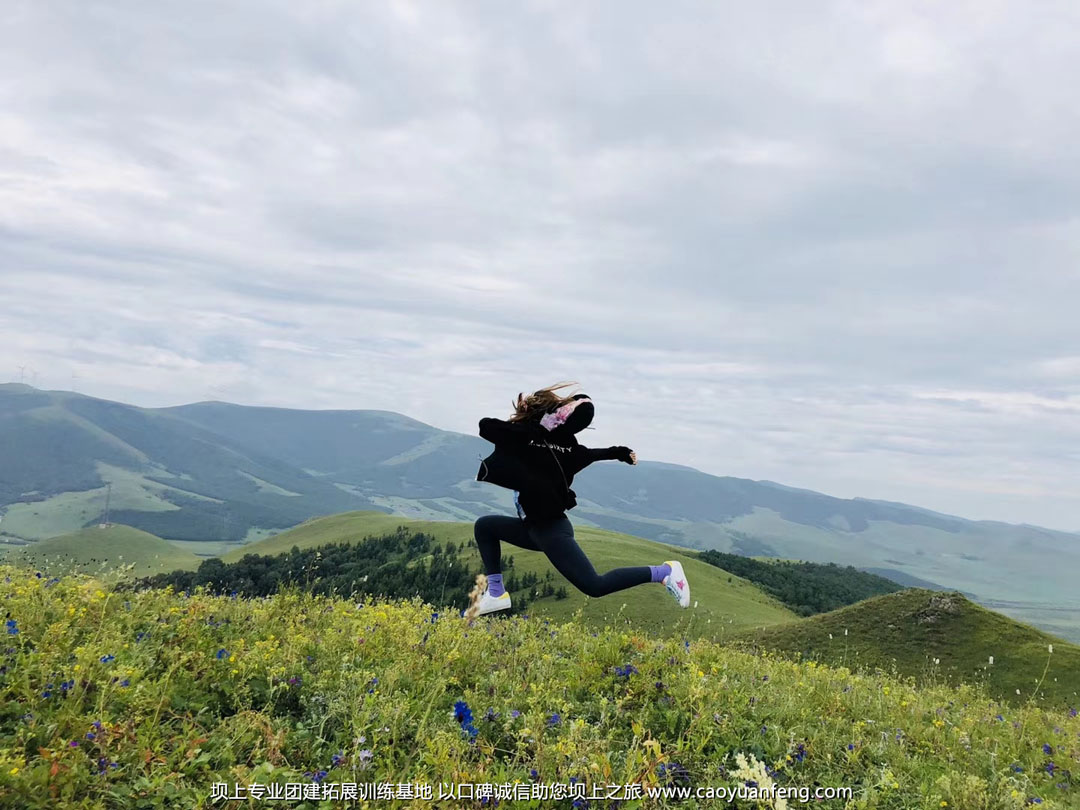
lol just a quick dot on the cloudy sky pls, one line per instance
(834, 245)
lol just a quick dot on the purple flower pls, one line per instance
(1047, 749)
(554, 719)
(74, 744)
(515, 713)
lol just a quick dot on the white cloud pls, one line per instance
(832, 246)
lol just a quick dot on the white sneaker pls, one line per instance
(676, 583)
(490, 604)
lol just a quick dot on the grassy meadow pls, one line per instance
(146, 699)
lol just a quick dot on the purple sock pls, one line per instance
(495, 586)
(659, 572)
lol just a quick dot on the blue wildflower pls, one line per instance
(533, 774)
(554, 719)
(11, 628)
(125, 682)
(105, 659)
(336, 759)
(1072, 712)
(90, 735)
(1047, 749)
(221, 653)
(1050, 766)
(515, 713)
(1016, 768)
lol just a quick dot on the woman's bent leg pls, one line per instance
(490, 529)
(556, 539)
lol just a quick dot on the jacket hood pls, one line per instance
(573, 417)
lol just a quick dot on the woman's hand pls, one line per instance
(633, 457)
(625, 455)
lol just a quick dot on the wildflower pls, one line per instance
(90, 735)
(1016, 768)
(851, 746)
(554, 719)
(1047, 749)
(372, 684)
(125, 682)
(1050, 766)
(105, 659)
(1051, 648)
(491, 715)
(991, 660)
(221, 653)
(1072, 712)
(74, 744)
(11, 628)
(337, 759)
(533, 774)
(365, 758)
(626, 671)
(515, 713)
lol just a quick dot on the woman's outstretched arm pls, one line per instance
(619, 453)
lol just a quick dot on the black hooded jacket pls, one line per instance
(540, 463)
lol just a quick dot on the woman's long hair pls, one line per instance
(539, 402)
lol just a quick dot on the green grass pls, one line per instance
(114, 547)
(155, 697)
(725, 603)
(905, 631)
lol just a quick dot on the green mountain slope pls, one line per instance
(216, 471)
(724, 602)
(109, 548)
(904, 632)
(170, 477)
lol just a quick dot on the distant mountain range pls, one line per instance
(213, 473)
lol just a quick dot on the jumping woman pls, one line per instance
(537, 455)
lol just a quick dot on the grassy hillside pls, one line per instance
(806, 588)
(110, 548)
(905, 632)
(724, 602)
(145, 700)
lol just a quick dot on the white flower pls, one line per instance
(1051, 648)
(991, 660)
(830, 636)
(695, 605)
(937, 661)
(845, 631)
(1018, 691)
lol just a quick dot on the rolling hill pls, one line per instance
(218, 472)
(905, 632)
(109, 548)
(725, 603)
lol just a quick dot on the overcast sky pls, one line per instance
(833, 245)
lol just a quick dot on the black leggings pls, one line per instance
(556, 539)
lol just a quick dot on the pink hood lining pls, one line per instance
(558, 417)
